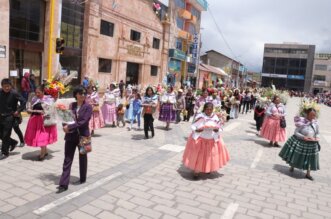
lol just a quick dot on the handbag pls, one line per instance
(85, 145)
(96, 108)
(283, 123)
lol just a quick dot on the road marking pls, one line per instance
(172, 147)
(73, 195)
(257, 158)
(251, 134)
(230, 211)
(231, 126)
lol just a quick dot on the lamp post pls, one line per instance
(50, 46)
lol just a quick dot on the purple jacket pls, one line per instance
(82, 122)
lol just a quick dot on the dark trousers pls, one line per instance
(6, 125)
(69, 153)
(259, 122)
(148, 124)
(246, 106)
(19, 133)
(178, 118)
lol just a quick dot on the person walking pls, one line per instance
(167, 108)
(136, 110)
(189, 104)
(271, 128)
(85, 82)
(83, 113)
(259, 113)
(36, 134)
(301, 150)
(180, 105)
(109, 105)
(16, 126)
(9, 109)
(149, 107)
(96, 121)
(25, 86)
(121, 87)
(205, 151)
(235, 101)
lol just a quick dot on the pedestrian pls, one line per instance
(259, 113)
(204, 98)
(121, 87)
(301, 150)
(130, 96)
(16, 126)
(92, 98)
(109, 105)
(271, 128)
(189, 104)
(149, 107)
(167, 108)
(25, 86)
(247, 101)
(120, 115)
(180, 105)
(205, 151)
(9, 109)
(36, 134)
(85, 82)
(136, 110)
(235, 101)
(32, 81)
(82, 112)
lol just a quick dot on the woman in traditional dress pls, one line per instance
(302, 149)
(271, 129)
(167, 109)
(36, 134)
(149, 105)
(205, 151)
(204, 98)
(189, 104)
(109, 105)
(235, 101)
(130, 96)
(96, 121)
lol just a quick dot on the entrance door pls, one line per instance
(132, 73)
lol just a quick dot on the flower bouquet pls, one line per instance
(65, 114)
(305, 105)
(49, 110)
(221, 114)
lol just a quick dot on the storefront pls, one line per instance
(175, 65)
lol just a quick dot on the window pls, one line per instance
(156, 43)
(105, 65)
(107, 28)
(154, 70)
(180, 23)
(191, 29)
(196, 13)
(319, 78)
(179, 44)
(180, 3)
(135, 36)
(321, 67)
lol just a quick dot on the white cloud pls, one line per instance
(249, 24)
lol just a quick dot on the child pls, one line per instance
(120, 115)
(258, 117)
(149, 104)
(136, 110)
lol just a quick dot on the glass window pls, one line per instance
(107, 28)
(154, 70)
(191, 29)
(179, 44)
(321, 67)
(27, 19)
(294, 63)
(319, 78)
(180, 23)
(105, 65)
(135, 35)
(195, 12)
(156, 43)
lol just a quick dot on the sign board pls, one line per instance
(25, 70)
(296, 77)
(177, 54)
(13, 73)
(273, 75)
(2, 51)
(135, 50)
(195, 49)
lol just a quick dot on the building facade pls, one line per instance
(185, 20)
(288, 66)
(321, 74)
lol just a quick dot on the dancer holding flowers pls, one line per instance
(167, 108)
(109, 105)
(96, 121)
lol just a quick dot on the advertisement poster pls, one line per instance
(25, 70)
(13, 73)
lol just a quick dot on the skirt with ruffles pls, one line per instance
(272, 131)
(301, 154)
(109, 113)
(205, 155)
(167, 113)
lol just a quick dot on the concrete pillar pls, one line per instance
(4, 38)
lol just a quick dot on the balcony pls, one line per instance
(185, 14)
(201, 5)
(193, 19)
(184, 35)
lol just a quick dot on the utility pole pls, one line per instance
(50, 46)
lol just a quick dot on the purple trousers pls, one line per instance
(69, 153)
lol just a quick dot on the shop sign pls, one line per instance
(191, 69)
(195, 50)
(320, 83)
(2, 51)
(174, 65)
(135, 50)
(177, 54)
(267, 75)
(297, 77)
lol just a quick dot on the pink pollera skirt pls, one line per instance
(205, 155)
(96, 121)
(272, 131)
(37, 135)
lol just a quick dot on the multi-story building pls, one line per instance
(322, 73)
(105, 40)
(288, 66)
(185, 19)
(233, 68)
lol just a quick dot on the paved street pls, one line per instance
(129, 177)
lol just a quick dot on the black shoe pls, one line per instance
(309, 177)
(79, 182)
(62, 189)
(21, 145)
(13, 146)
(3, 156)
(146, 137)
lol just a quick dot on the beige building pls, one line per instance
(321, 81)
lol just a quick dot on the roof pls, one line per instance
(212, 69)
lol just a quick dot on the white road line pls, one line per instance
(257, 158)
(230, 211)
(67, 198)
(172, 147)
(231, 126)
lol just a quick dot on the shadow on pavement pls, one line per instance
(96, 135)
(137, 137)
(34, 155)
(47, 178)
(163, 128)
(285, 170)
(188, 174)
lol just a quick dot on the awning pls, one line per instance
(213, 69)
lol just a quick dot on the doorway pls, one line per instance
(132, 73)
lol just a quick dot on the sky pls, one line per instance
(248, 24)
